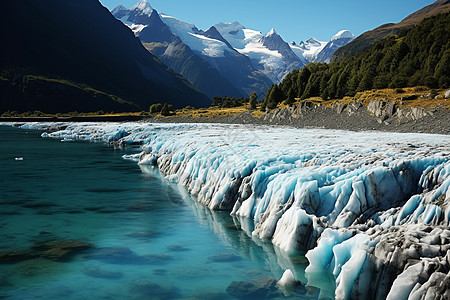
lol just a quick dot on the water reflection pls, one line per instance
(147, 234)
(236, 232)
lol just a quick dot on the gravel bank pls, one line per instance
(322, 117)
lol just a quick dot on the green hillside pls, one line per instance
(369, 38)
(416, 56)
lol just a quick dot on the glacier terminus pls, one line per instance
(371, 208)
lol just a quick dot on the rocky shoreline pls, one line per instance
(378, 115)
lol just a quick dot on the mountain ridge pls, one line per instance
(369, 38)
(159, 40)
(61, 42)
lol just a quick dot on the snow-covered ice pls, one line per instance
(372, 208)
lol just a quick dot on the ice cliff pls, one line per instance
(371, 208)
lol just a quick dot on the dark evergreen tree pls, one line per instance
(276, 95)
(253, 100)
(165, 110)
(155, 108)
(216, 101)
(290, 97)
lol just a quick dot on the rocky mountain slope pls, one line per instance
(73, 55)
(170, 49)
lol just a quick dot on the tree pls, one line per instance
(216, 101)
(155, 108)
(366, 82)
(271, 104)
(165, 110)
(290, 98)
(276, 95)
(253, 100)
(302, 80)
(431, 82)
(266, 98)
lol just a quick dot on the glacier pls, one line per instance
(371, 208)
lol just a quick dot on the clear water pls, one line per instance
(150, 239)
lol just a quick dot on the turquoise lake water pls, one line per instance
(149, 239)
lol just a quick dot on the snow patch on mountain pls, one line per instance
(343, 34)
(192, 37)
(271, 32)
(137, 28)
(120, 11)
(314, 50)
(144, 7)
(308, 49)
(250, 43)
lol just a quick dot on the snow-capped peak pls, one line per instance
(119, 7)
(271, 32)
(313, 41)
(143, 6)
(343, 34)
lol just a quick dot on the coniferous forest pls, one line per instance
(418, 55)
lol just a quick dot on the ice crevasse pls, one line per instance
(372, 208)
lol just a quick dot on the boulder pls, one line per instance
(447, 94)
(376, 107)
(339, 107)
(390, 109)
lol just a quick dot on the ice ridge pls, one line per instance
(371, 208)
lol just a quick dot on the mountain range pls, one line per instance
(226, 54)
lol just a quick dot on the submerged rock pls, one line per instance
(177, 248)
(14, 256)
(151, 290)
(263, 288)
(123, 255)
(100, 273)
(224, 257)
(59, 250)
(38, 267)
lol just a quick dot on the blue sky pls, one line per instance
(294, 20)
